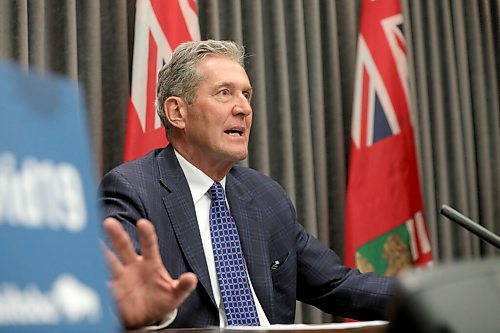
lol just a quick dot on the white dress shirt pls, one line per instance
(199, 184)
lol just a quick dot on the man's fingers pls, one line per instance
(120, 240)
(186, 283)
(149, 245)
(114, 263)
(148, 240)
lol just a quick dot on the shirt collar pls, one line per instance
(199, 183)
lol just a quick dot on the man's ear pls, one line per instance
(175, 111)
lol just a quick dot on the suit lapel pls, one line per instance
(181, 212)
(249, 220)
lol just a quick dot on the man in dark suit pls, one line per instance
(203, 100)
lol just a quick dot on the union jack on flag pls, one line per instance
(160, 27)
(385, 224)
(374, 115)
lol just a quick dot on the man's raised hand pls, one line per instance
(144, 291)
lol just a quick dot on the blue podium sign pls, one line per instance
(52, 270)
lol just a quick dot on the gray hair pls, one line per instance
(180, 76)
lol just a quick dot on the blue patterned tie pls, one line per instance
(229, 263)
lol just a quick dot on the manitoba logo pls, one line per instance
(69, 301)
(397, 250)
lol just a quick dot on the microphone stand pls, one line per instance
(470, 225)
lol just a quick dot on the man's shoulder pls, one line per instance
(248, 174)
(254, 179)
(141, 163)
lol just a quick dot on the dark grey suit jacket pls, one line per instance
(154, 187)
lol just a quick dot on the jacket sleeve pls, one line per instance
(325, 282)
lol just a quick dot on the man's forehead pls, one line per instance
(223, 71)
(217, 61)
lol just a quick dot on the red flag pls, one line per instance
(385, 224)
(160, 26)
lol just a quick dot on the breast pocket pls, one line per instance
(284, 275)
(284, 268)
(279, 261)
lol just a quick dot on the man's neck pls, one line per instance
(216, 171)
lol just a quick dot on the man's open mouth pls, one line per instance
(234, 132)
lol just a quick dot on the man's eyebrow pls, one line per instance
(232, 85)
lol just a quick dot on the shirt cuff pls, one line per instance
(166, 321)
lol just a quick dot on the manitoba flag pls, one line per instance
(160, 26)
(385, 223)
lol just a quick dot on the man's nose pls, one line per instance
(242, 105)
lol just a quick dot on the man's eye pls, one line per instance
(224, 92)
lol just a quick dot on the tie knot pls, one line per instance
(216, 191)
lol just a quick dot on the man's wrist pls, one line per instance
(164, 322)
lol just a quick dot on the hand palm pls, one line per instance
(143, 288)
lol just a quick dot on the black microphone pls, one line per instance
(470, 225)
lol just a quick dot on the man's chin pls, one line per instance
(239, 156)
